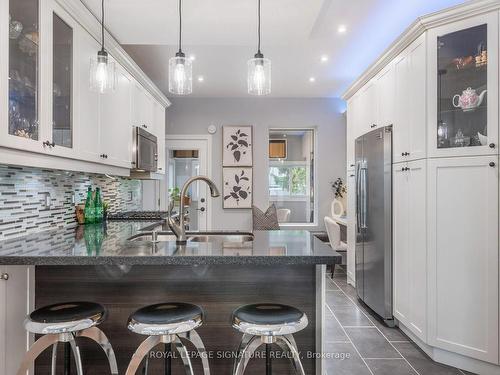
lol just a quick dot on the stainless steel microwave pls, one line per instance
(145, 151)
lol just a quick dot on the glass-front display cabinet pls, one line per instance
(23, 69)
(39, 59)
(463, 94)
(62, 82)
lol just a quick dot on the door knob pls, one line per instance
(202, 200)
(201, 209)
(4, 276)
(492, 145)
(492, 163)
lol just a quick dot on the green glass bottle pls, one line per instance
(98, 207)
(89, 207)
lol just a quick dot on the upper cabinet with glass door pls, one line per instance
(463, 87)
(62, 80)
(22, 125)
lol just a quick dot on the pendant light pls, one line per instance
(102, 71)
(180, 69)
(259, 70)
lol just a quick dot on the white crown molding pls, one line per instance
(92, 25)
(417, 28)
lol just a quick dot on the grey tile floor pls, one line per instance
(358, 344)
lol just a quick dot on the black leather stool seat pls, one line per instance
(269, 319)
(68, 312)
(166, 318)
(65, 317)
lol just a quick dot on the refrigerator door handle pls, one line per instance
(364, 201)
(358, 198)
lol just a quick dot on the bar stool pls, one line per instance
(167, 323)
(267, 323)
(64, 322)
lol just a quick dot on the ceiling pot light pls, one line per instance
(201, 78)
(259, 69)
(180, 68)
(342, 29)
(324, 58)
(312, 79)
(102, 71)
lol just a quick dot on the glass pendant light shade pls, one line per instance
(259, 75)
(102, 73)
(180, 75)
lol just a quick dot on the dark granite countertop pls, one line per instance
(108, 245)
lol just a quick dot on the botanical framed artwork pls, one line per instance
(237, 146)
(238, 187)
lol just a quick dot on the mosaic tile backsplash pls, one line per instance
(24, 193)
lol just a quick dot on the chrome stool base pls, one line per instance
(53, 340)
(249, 344)
(149, 343)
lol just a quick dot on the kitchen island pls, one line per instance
(100, 263)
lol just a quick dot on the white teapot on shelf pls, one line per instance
(469, 100)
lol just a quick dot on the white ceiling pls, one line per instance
(295, 34)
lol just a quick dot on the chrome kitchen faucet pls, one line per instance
(179, 229)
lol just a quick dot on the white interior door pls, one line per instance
(180, 167)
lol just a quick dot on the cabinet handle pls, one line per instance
(373, 126)
(4, 276)
(492, 163)
(492, 145)
(351, 175)
(160, 169)
(352, 165)
(49, 144)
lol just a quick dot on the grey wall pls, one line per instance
(194, 115)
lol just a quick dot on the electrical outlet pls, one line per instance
(130, 195)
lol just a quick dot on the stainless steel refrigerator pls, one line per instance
(374, 221)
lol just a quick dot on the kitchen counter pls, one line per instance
(107, 244)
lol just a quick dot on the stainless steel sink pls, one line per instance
(225, 238)
(222, 237)
(148, 236)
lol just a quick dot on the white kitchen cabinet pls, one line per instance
(385, 85)
(87, 111)
(410, 246)
(115, 131)
(16, 301)
(351, 131)
(456, 128)
(159, 119)
(463, 256)
(409, 130)
(367, 105)
(143, 109)
(351, 227)
(21, 125)
(48, 107)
